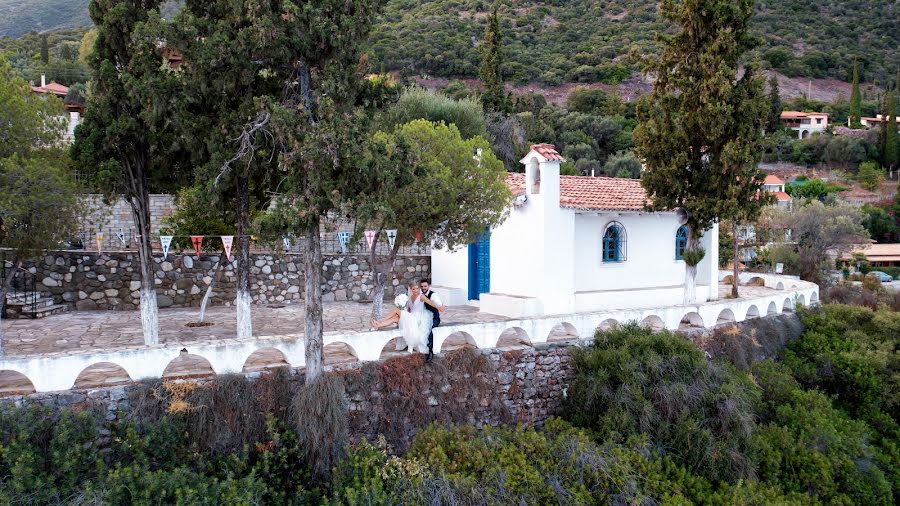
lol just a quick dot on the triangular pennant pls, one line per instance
(227, 242)
(391, 236)
(121, 235)
(287, 242)
(370, 237)
(343, 239)
(197, 241)
(165, 241)
(99, 241)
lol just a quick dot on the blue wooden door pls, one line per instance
(480, 266)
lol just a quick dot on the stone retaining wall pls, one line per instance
(88, 281)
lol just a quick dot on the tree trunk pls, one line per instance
(312, 263)
(690, 269)
(140, 210)
(243, 298)
(4, 289)
(381, 272)
(734, 274)
(209, 289)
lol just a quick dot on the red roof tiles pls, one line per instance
(773, 179)
(52, 87)
(782, 197)
(548, 151)
(586, 193)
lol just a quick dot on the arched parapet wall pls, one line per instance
(563, 331)
(455, 340)
(513, 336)
(101, 374)
(772, 308)
(265, 358)
(15, 383)
(751, 312)
(692, 319)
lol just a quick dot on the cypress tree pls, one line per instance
(774, 121)
(494, 97)
(855, 100)
(45, 50)
(699, 130)
(890, 149)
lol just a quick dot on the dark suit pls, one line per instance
(436, 322)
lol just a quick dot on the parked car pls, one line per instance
(881, 276)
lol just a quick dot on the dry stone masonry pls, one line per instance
(88, 281)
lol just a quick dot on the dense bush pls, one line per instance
(634, 381)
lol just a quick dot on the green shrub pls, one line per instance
(634, 381)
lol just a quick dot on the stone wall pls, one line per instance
(86, 280)
(111, 218)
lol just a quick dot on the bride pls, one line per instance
(414, 321)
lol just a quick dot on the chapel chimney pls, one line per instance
(43, 80)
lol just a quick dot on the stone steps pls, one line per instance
(32, 306)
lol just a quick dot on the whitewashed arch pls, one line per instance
(513, 336)
(188, 365)
(458, 339)
(112, 374)
(756, 281)
(725, 316)
(801, 300)
(15, 383)
(693, 319)
(752, 312)
(772, 309)
(653, 322)
(271, 358)
(787, 306)
(813, 299)
(562, 331)
(609, 324)
(339, 352)
(779, 286)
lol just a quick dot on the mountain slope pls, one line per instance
(558, 41)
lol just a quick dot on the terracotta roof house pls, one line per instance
(573, 244)
(877, 121)
(73, 112)
(775, 186)
(881, 255)
(805, 123)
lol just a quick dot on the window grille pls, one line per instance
(614, 243)
(681, 237)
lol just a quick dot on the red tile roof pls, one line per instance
(592, 193)
(773, 179)
(548, 151)
(782, 197)
(798, 114)
(52, 87)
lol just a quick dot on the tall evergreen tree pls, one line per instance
(855, 100)
(494, 97)
(45, 50)
(698, 129)
(773, 123)
(890, 150)
(124, 144)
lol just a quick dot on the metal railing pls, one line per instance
(23, 288)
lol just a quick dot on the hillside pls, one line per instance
(554, 42)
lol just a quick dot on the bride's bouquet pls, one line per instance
(401, 300)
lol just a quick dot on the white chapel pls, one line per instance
(574, 244)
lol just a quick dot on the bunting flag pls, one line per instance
(287, 242)
(391, 236)
(227, 241)
(370, 237)
(343, 239)
(121, 235)
(99, 241)
(418, 235)
(83, 236)
(165, 241)
(197, 241)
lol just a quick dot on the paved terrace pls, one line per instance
(101, 348)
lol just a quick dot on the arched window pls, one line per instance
(614, 243)
(681, 236)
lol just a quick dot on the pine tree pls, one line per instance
(699, 129)
(855, 100)
(774, 120)
(494, 97)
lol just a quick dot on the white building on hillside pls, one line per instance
(805, 123)
(574, 244)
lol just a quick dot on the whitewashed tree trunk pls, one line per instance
(312, 262)
(243, 299)
(5, 283)
(381, 272)
(209, 289)
(734, 244)
(140, 210)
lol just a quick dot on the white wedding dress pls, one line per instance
(415, 324)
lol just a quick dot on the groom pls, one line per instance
(436, 310)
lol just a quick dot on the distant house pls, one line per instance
(774, 185)
(877, 121)
(879, 255)
(73, 112)
(805, 123)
